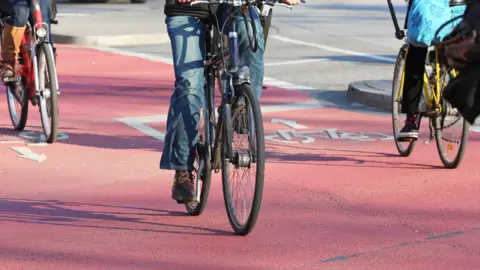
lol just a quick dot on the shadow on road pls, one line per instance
(343, 158)
(72, 214)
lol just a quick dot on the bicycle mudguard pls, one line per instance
(463, 92)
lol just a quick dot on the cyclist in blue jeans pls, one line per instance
(19, 12)
(186, 29)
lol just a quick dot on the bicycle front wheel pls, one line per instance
(451, 132)
(398, 118)
(47, 99)
(245, 161)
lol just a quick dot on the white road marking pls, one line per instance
(11, 142)
(72, 14)
(288, 123)
(140, 122)
(291, 107)
(169, 61)
(295, 62)
(475, 128)
(27, 153)
(332, 49)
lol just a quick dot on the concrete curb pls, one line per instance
(375, 94)
(119, 40)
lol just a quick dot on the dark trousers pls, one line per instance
(414, 74)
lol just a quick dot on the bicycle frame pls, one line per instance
(29, 69)
(432, 94)
(229, 76)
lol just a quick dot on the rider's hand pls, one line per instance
(291, 2)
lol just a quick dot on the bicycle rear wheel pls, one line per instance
(398, 118)
(47, 99)
(247, 124)
(451, 132)
(17, 99)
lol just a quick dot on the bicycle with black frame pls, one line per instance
(239, 120)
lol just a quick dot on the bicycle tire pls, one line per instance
(50, 127)
(203, 152)
(404, 151)
(18, 123)
(438, 126)
(253, 106)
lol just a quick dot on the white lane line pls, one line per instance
(294, 62)
(13, 142)
(73, 14)
(475, 128)
(332, 49)
(169, 61)
(292, 107)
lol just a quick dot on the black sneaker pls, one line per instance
(410, 131)
(183, 189)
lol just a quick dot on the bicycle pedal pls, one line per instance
(11, 80)
(185, 202)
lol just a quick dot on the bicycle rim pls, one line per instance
(398, 118)
(47, 100)
(247, 162)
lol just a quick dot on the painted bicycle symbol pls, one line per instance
(301, 134)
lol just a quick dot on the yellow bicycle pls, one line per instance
(446, 125)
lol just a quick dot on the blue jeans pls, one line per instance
(187, 36)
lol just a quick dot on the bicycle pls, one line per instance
(432, 104)
(239, 114)
(36, 79)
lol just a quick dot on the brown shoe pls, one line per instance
(7, 71)
(183, 189)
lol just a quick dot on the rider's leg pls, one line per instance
(187, 40)
(412, 89)
(12, 36)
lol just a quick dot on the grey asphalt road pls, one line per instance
(322, 44)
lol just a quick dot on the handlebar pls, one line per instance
(461, 31)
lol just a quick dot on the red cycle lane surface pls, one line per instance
(337, 196)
